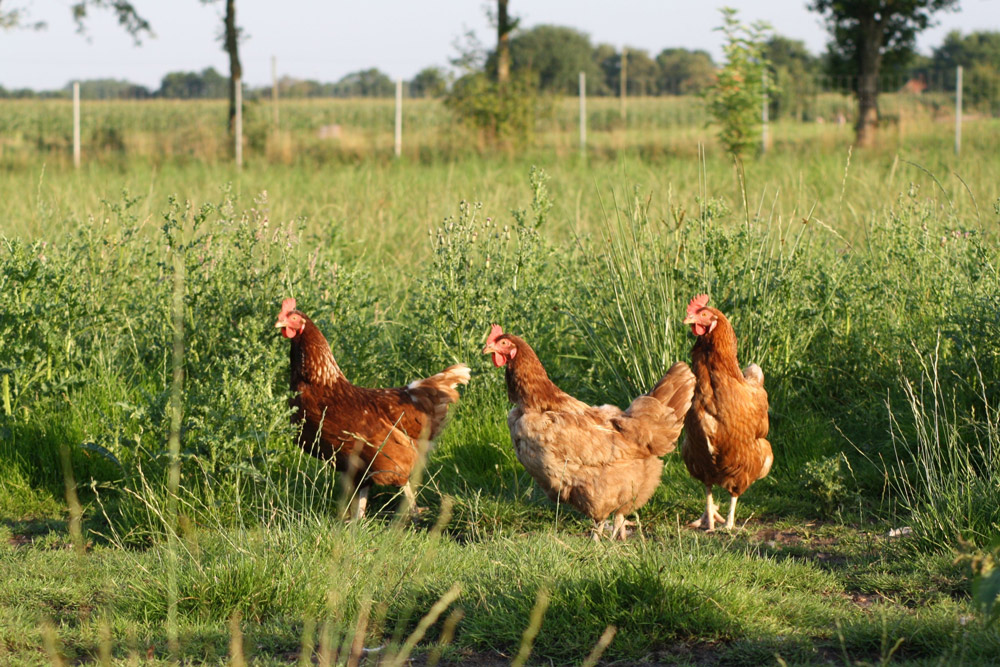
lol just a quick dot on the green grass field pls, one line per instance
(865, 284)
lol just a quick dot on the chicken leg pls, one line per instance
(619, 531)
(361, 503)
(598, 531)
(711, 516)
(731, 521)
(411, 501)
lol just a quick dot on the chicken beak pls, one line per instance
(688, 320)
(489, 349)
(281, 323)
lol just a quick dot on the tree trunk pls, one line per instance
(869, 64)
(232, 48)
(503, 43)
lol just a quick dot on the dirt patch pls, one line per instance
(20, 541)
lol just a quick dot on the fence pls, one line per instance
(800, 114)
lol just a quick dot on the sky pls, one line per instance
(326, 39)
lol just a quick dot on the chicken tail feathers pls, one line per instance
(655, 419)
(676, 389)
(433, 395)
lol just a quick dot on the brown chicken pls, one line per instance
(724, 443)
(374, 435)
(600, 460)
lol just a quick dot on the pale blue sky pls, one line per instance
(326, 39)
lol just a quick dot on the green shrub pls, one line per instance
(736, 97)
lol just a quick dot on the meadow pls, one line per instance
(865, 284)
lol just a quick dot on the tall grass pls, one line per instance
(946, 466)
(834, 320)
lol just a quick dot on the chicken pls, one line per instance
(374, 435)
(600, 460)
(726, 428)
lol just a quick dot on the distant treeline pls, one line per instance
(556, 55)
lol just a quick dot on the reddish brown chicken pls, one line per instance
(600, 460)
(726, 428)
(375, 436)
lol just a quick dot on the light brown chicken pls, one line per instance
(600, 460)
(724, 441)
(373, 435)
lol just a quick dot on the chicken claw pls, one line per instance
(710, 516)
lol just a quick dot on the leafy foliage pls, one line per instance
(555, 54)
(736, 97)
(503, 114)
(684, 72)
(429, 82)
(890, 25)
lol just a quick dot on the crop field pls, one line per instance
(138, 296)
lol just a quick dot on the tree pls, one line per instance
(869, 34)
(504, 27)
(555, 54)
(683, 72)
(429, 82)
(606, 72)
(231, 45)
(128, 17)
(734, 100)
(17, 18)
(979, 55)
(109, 89)
(365, 83)
(793, 70)
(642, 73)
(968, 50)
(193, 85)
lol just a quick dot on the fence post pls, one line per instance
(958, 110)
(763, 114)
(274, 92)
(238, 122)
(583, 114)
(399, 117)
(76, 124)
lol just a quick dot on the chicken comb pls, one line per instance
(287, 306)
(697, 304)
(495, 332)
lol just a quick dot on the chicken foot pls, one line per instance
(411, 501)
(598, 532)
(620, 531)
(708, 520)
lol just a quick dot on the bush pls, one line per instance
(503, 115)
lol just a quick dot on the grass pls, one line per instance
(864, 284)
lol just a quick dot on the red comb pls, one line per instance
(697, 304)
(287, 306)
(495, 332)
